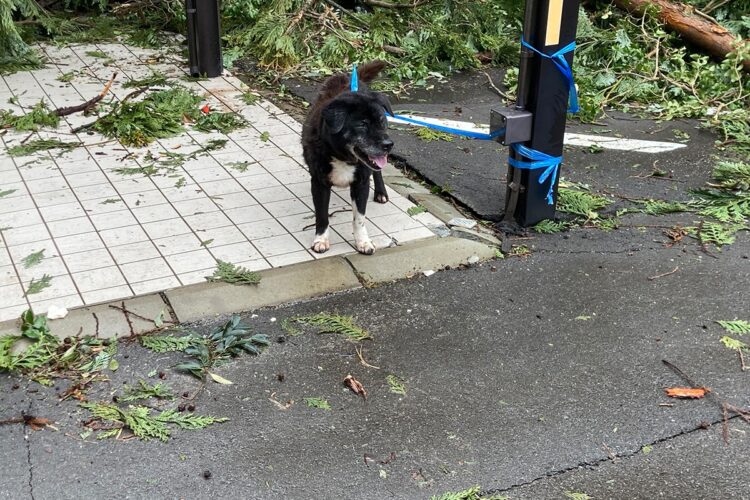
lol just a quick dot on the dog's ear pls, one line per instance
(383, 101)
(334, 116)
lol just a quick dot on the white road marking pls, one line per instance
(582, 140)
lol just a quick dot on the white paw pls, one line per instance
(321, 243)
(366, 247)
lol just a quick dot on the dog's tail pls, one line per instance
(338, 84)
(368, 72)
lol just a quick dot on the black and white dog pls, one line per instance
(345, 141)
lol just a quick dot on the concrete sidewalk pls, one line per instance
(109, 231)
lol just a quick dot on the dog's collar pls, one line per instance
(354, 85)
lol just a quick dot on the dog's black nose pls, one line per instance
(387, 145)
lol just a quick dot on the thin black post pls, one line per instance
(549, 25)
(204, 37)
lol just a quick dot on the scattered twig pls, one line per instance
(341, 210)
(726, 407)
(279, 404)
(492, 84)
(651, 278)
(358, 350)
(88, 105)
(96, 319)
(128, 312)
(27, 138)
(742, 360)
(36, 423)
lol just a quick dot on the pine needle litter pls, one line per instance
(331, 323)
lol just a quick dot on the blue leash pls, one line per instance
(550, 164)
(354, 87)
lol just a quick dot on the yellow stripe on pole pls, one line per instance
(554, 17)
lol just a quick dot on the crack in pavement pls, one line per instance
(28, 453)
(597, 463)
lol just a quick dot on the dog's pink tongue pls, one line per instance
(379, 161)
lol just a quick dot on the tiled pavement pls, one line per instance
(108, 235)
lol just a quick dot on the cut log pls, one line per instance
(710, 36)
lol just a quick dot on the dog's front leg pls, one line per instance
(321, 197)
(360, 191)
(381, 195)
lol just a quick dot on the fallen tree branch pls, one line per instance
(710, 36)
(88, 105)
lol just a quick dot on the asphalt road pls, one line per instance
(531, 376)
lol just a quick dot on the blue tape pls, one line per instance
(550, 164)
(558, 58)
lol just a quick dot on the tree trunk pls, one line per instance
(712, 37)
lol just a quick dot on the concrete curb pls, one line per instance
(277, 286)
(426, 255)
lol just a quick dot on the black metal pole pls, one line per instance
(522, 89)
(551, 26)
(204, 37)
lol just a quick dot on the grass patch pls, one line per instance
(396, 385)
(36, 286)
(580, 203)
(156, 79)
(159, 115)
(39, 116)
(221, 122)
(474, 493)
(168, 343)
(334, 323)
(548, 226)
(97, 53)
(430, 135)
(234, 274)
(738, 326)
(249, 98)
(418, 209)
(38, 145)
(47, 357)
(146, 391)
(33, 259)
(143, 423)
(66, 77)
(716, 233)
(319, 403)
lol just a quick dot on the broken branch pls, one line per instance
(88, 105)
(711, 36)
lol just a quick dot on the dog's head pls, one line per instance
(355, 126)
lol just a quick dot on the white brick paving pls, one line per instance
(107, 235)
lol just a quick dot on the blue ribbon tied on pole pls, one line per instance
(558, 58)
(550, 164)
